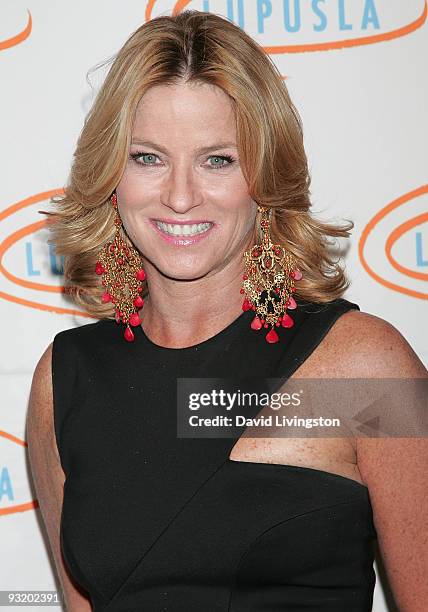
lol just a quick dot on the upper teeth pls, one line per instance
(186, 230)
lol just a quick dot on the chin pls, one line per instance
(182, 272)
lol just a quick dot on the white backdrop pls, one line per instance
(356, 70)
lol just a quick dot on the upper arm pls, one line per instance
(394, 469)
(48, 476)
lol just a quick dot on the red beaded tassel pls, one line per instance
(268, 283)
(119, 265)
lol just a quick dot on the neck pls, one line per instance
(179, 313)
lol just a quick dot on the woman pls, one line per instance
(189, 163)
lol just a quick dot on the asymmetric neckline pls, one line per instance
(238, 324)
(302, 468)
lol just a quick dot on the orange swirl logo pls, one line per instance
(319, 25)
(18, 38)
(25, 254)
(391, 247)
(7, 488)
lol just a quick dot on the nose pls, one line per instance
(180, 191)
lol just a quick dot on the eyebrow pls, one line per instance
(218, 145)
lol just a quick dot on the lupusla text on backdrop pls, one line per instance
(308, 22)
(296, 15)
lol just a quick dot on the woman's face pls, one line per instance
(183, 198)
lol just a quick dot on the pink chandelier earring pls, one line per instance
(122, 274)
(268, 282)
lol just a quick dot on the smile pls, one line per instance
(183, 230)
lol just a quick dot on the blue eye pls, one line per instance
(227, 158)
(135, 157)
(152, 156)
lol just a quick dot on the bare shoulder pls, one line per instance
(44, 365)
(364, 345)
(394, 469)
(39, 416)
(42, 447)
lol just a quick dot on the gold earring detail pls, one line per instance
(268, 282)
(120, 267)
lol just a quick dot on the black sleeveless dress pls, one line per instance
(154, 522)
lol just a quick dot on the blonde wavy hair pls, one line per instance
(202, 47)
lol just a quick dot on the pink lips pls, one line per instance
(181, 240)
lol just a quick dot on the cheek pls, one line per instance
(244, 209)
(125, 189)
(131, 193)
